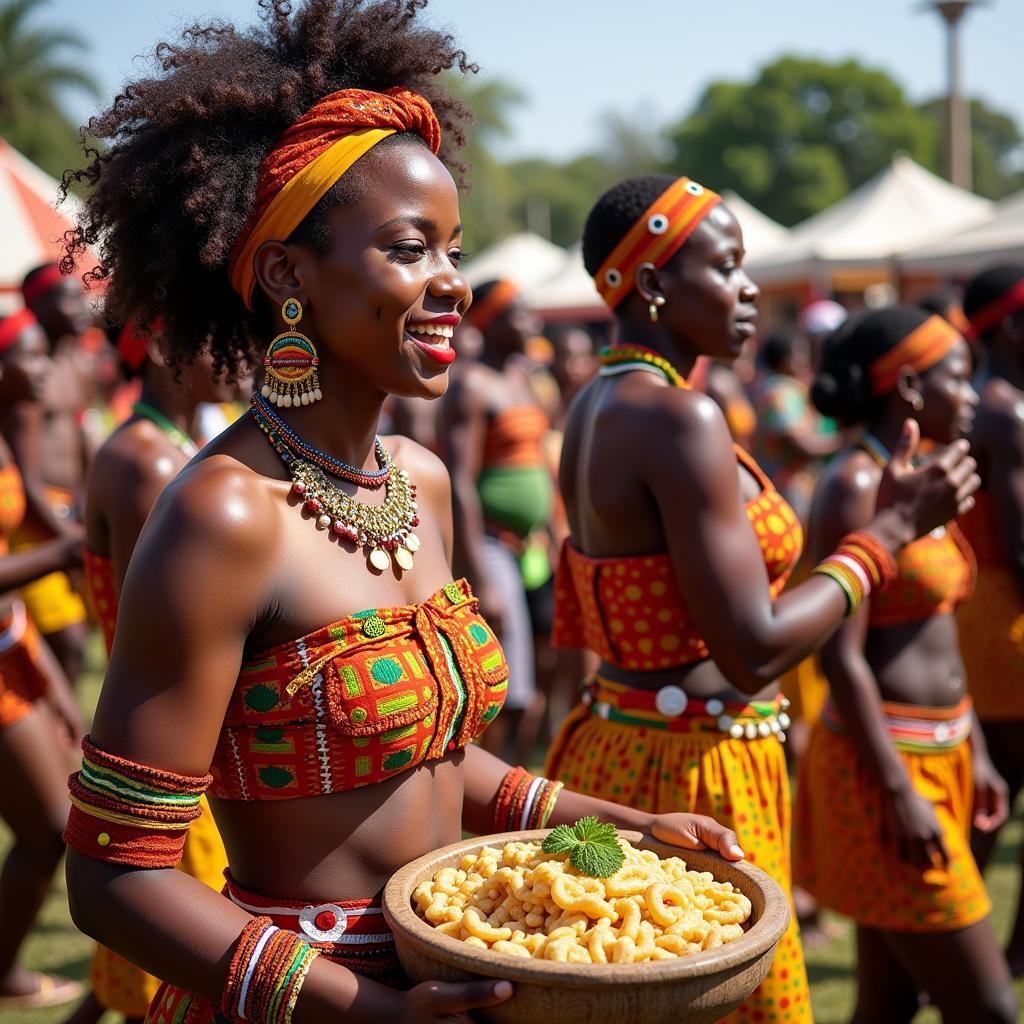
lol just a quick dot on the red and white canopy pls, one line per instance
(31, 226)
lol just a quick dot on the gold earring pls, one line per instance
(291, 363)
(917, 402)
(652, 309)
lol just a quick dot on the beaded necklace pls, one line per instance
(174, 433)
(616, 359)
(384, 531)
(269, 421)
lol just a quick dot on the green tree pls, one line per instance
(996, 147)
(801, 135)
(36, 63)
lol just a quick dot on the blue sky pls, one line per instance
(578, 59)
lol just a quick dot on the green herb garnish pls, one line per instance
(592, 845)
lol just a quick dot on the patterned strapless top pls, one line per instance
(629, 610)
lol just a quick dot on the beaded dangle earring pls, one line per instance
(291, 364)
(653, 308)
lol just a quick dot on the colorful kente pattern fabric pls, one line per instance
(361, 700)
(842, 855)
(991, 623)
(934, 575)
(22, 679)
(741, 783)
(629, 609)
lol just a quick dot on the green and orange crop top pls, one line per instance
(934, 575)
(361, 700)
(629, 609)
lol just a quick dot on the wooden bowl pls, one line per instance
(697, 989)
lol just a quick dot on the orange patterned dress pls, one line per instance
(663, 752)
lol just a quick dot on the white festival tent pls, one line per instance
(31, 226)
(1001, 238)
(569, 294)
(761, 235)
(901, 207)
(525, 259)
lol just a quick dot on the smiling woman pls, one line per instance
(276, 648)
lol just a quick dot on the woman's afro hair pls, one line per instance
(989, 286)
(842, 386)
(171, 180)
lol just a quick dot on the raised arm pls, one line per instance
(691, 473)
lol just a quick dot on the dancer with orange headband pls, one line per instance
(680, 548)
(37, 709)
(895, 770)
(992, 622)
(492, 437)
(49, 444)
(125, 479)
(289, 639)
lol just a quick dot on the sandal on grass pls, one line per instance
(52, 991)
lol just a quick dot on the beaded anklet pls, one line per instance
(860, 564)
(524, 801)
(266, 973)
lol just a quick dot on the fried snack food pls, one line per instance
(524, 902)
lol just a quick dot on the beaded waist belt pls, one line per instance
(671, 709)
(350, 932)
(916, 729)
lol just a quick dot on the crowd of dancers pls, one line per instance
(361, 543)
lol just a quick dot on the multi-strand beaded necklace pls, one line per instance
(384, 531)
(616, 359)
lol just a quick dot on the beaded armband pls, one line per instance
(859, 565)
(130, 813)
(524, 801)
(266, 972)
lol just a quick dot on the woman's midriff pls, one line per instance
(918, 664)
(702, 680)
(343, 845)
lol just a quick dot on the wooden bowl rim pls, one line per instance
(398, 910)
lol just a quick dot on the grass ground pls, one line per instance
(57, 946)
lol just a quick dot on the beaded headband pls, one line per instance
(921, 349)
(499, 298)
(1007, 304)
(655, 238)
(313, 154)
(12, 326)
(47, 278)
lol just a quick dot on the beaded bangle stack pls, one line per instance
(859, 565)
(524, 801)
(266, 972)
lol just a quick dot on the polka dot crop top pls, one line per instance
(361, 700)
(629, 609)
(934, 575)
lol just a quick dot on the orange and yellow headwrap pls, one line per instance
(313, 154)
(921, 349)
(483, 313)
(655, 238)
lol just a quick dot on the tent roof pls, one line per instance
(571, 288)
(1001, 237)
(525, 258)
(902, 206)
(30, 224)
(761, 234)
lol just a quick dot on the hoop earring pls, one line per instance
(291, 364)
